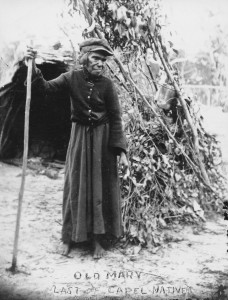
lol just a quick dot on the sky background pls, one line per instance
(189, 21)
(192, 23)
(17, 16)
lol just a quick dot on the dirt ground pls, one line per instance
(192, 264)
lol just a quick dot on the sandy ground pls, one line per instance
(192, 264)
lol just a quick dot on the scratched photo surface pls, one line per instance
(187, 260)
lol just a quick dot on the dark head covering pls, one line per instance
(94, 45)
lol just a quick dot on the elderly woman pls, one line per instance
(91, 197)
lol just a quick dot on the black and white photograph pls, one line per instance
(113, 149)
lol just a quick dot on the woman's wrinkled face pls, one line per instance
(95, 63)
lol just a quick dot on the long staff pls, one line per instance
(25, 160)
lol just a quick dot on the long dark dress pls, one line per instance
(91, 197)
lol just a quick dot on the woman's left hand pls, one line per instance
(123, 162)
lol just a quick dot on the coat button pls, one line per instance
(90, 111)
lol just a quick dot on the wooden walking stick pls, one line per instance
(13, 268)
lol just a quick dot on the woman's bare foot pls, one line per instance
(98, 249)
(65, 249)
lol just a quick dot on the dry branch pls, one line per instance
(25, 160)
(187, 115)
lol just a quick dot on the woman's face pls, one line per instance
(95, 63)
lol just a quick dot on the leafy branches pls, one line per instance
(163, 188)
(174, 172)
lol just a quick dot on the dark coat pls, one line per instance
(92, 103)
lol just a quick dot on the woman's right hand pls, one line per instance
(30, 53)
